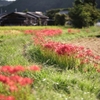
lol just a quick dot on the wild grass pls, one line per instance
(85, 32)
(51, 82)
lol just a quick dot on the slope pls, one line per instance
(4, 3)
(38, 5)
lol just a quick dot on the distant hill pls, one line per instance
(98, 3)
(40, 5)
(4, 3)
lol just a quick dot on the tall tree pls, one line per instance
(90, 1)
(77, 2)
(84, 15)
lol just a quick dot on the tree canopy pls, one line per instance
(83, 14)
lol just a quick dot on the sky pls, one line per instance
(10, 0)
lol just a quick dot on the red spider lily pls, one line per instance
(3, 79)
(10, 83)
(12, 70)
(5, 68)
(97, 57)
(89, 52)
(3, 97)
(14, 79)
(52, 32)
(45, 32)
(19, 68)
(34, 68)
(65, 49)
(20, 80)
(69, 30)
(83, 55)
(26, 81)
(10, 98)
(29, 31)
(49, 45)
(13, 88)
(80, 55)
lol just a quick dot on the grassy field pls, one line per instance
(58, 77)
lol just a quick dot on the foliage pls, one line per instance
(60, 19)
(77, 2)
(51, 13)
(93, 2)
(83, 15)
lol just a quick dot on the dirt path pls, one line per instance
(92, 43)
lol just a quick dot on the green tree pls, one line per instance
(77, 2)
(83, 15)
(90, 1)
(60, 19)
(51, 13)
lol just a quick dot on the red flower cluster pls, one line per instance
(78, 52)
(10, 78)
(45, 32)
(16, 69)
(51, 32)
(14, 81)
(12, 70)
(34, 68)
(3, 97)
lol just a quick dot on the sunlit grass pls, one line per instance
(52, 82)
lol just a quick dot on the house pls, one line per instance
(22, 18)
(41, 19)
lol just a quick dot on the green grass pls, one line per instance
(51, 83)
(12, 49)
(92, 32)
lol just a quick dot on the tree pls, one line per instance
(51, 13)
(60, 19)
(77, 2)
(83, 15)
(93, 2)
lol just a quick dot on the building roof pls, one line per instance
(18, 13)
(28, 14)
(25, 15)
(37, 15)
